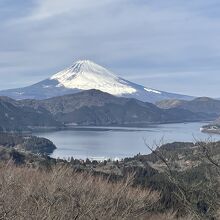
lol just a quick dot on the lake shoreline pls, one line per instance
(129, 127)
(119, 142)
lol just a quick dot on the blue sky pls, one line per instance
(171, 45)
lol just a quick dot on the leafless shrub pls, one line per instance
(65, 194)
(182, 190)
(167, 216)
(206, 153)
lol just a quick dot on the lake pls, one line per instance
(119, 142)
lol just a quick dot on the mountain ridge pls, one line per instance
(90, 107)
(86, 75)
(200, 104)
(94, 107)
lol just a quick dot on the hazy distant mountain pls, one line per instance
(15, 118)
(85, 75)
(203, 104)
(94, 107)
(198, 105)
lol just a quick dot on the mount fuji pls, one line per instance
(86, 75)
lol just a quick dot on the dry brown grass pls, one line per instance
(64, 194)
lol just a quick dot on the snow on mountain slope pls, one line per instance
(85, 75)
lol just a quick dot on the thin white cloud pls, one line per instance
(50, 8)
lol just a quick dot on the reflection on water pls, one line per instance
(111, 142)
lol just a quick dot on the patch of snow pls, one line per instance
(152, 90)
(19, 93)
(85, 75)
(47, 86)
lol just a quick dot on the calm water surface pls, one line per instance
(102, 143)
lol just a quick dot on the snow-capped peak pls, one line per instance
(85, 75)
(83, 66)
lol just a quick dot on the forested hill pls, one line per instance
(94, 107)
(15, 117)
(27, 143)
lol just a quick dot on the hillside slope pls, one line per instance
(14, 117)
(94, 107)
(202, 104)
